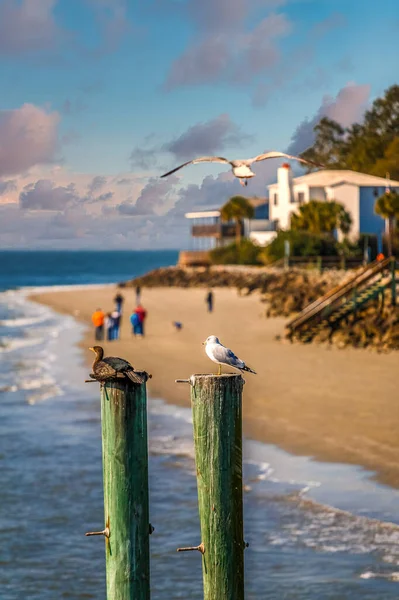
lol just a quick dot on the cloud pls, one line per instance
(113, 22)
(28, 137)
(43, 195)
(144, 158)
(298, 70)
(346, 108)
(207, 138)
(96, 184)
(213, 57)
(204, 138)
(27, 26)
(152, 197)
(7, 186)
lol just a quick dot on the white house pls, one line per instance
(356, 191)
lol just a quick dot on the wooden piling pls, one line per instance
(217, 422)
(125, 473)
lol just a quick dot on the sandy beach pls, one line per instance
(334, 405)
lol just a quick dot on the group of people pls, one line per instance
(107, 325)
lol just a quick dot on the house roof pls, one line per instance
(215, 212)
(331, 177)
(201, 214)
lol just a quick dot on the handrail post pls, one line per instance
(393, 281)
(217, 422)
(125, 480)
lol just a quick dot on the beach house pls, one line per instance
(209, 231)
(356, 191)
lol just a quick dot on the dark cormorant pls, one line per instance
(112, 366)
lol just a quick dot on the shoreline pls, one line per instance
(296, 402)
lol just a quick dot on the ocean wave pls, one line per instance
(45, 394)
(9, 344)
(22, 321)
(372, 575)
(171, 445)
(330, 530)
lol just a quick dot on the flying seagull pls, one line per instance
(242, 168)
(223, 356)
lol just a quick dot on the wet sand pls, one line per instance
(334, 405)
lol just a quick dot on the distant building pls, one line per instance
(356, 191)
(209, 231)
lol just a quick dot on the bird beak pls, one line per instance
(92, 349)
(203, 343)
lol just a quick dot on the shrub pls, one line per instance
(302, 243)
(244, 253)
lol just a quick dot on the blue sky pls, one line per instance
(122, 91)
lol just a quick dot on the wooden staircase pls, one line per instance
(347, 298)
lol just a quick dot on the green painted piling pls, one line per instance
(217, 422)
(125, 472)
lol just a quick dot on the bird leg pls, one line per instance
(242, 183)
(220, 370)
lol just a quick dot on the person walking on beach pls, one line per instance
(138, 294)
(119, 300)
(142, 314)
(116, 321)
(209, 300)
(108, 324)
(98, 321)
(135, 321)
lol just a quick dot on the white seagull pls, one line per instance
(223, 356)
(242, 168)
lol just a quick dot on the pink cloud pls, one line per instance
(212, 56)
(28, 137)
(346, 108)
(27, 26)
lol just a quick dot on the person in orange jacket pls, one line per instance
(98, 318)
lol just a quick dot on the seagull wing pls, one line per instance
(226, 356)
(273, 154)
(212, 159)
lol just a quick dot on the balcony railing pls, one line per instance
(263, 225)
(217, 230)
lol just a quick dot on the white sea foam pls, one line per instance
(22, 321)
(372, 575)
(46, 393)
(9, 344)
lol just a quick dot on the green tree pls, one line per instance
(321, 217)
(361, 146)
(387, 206)
(237, 209)
(389, 163)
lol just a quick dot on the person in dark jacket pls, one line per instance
(209, 300)
(119, 300)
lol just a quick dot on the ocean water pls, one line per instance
(316, 531)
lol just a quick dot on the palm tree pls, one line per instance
(387, 206)
(321, 217)
(237, 209)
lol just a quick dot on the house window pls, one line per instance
(275, 199)
(301, 197)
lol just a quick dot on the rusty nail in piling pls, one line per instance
(105, 533)
(200, 548)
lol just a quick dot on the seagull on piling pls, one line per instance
(224, 356)
(242, 168)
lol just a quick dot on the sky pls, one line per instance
(101, 97)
